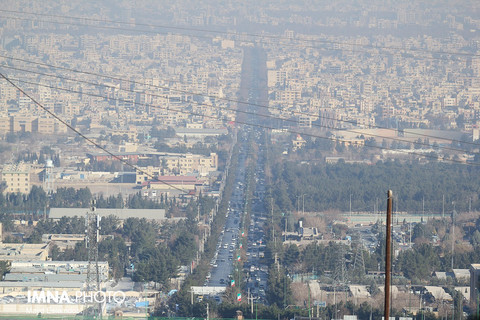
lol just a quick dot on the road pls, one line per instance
(253, 89)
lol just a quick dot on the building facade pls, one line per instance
(16, 178)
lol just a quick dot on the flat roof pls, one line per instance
(175, 179)
(44, 277)
(48, 284)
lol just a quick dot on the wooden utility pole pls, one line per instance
(388, 255)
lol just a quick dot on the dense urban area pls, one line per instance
(231, 160)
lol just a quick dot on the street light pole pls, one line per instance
(388, 260)
(303, 204)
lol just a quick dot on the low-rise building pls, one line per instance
(474, 282)
(181, 164)
(185, 184)
(24, 251)
(188, 163)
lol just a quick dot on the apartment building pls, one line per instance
(180, 164)
(17, 178)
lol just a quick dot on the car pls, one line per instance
(222, 281)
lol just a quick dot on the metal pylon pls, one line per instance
(359, 262)
(92, 234)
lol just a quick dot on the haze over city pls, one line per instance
(231, 160)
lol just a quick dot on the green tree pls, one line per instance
(109, 225)
(4, 267)
(54, 252)
(184, 247)
(291, 256)
(278, 287)
(114, 250)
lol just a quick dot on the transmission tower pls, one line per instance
(340, 275)
(92, 234)
(358, 261)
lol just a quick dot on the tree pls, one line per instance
(141, 233)
(184, 247)
(109, 224)
(78, 253)
(114, 250)
(54, 252)
(476, 239)
(278, 287)
(37, 199)
(4, 267)
(291, 256)
(418, 144)
(458, 304)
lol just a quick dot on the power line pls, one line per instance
(356, 50)
(245, 123)
(85, 137)
(97, 26)
(238, 34)
(231, 100)
(246, 112)
(235, 34)
(236, 101)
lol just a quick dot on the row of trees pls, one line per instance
(197, 148)
(37, 201)
(416, 186)
(41, 158)
(155, 251)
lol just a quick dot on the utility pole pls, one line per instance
(273, 228)
(309, 305)
(443, 206)
(250, 300)
(410, 227)
(454, 213)
(423, 208)
(350, 207)
(298, 204)
(335, 299)
(388, 254)
(303, 204)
